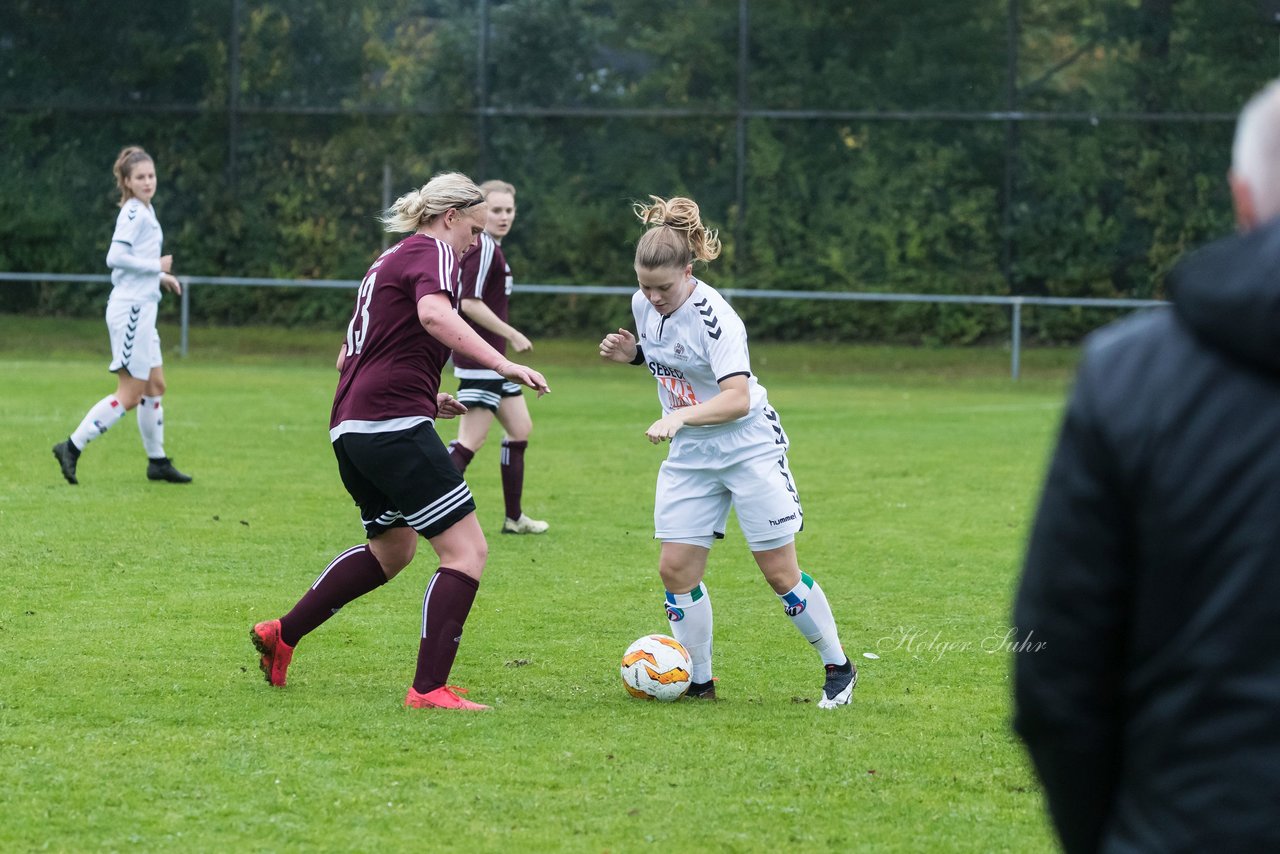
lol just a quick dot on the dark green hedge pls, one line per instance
(903, 204)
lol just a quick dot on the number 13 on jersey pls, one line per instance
(360, 320)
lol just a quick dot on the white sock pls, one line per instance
(151, 426)
(99, 420)
(690, 617)
(809, 610)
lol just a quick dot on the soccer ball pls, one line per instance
(656, 667)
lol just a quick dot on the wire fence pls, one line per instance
(1015, 303)
(1142, 95)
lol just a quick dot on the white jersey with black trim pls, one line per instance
(692, 349)
(134, 257)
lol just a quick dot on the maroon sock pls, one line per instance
(444, 610)
(351, 575)
(461, 455)
(513, 476)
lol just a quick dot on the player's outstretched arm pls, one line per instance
(436, 314)
(483, 316)
(524, 375)
(620, 347)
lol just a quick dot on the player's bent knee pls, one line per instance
(520, 431)
(394, 550)
(478, 556)
(782, 581)
(781, 577)
(467, 562)
(465, 553)
(470, 436)
(679, 579)
(523, 429)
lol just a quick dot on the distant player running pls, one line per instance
(383, 431)
(138, 272)
(486, 290)
(727, 446)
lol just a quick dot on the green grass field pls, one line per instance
(133, 715)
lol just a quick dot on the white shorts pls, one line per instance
(135, 343)
(743, 466)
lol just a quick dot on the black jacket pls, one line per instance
(1147, 681)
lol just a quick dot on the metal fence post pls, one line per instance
(186, 318)
(1016, 366)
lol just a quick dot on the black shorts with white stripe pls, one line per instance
(485, 393)
(404, 477)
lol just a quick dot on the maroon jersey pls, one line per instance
(391, 375)
(486, 276)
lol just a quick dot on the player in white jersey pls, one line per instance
(138, 272)
(728, 447)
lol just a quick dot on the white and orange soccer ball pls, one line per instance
(656, 667)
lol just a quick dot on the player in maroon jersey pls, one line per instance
(486, 289)
(383, 431)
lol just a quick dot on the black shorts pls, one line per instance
(403, 478)
(486, 394)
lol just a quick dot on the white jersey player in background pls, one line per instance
(138, 271)
(727, 446)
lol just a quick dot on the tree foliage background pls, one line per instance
(880, 149)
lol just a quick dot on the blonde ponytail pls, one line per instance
(676, 235)
(419, 207)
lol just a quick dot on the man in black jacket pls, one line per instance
(1147, 676)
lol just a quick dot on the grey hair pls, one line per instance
(1255, 154)
(419, 207)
